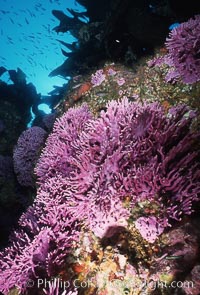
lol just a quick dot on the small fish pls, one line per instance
(46, 27)
(4, 11)
(31, 13)
(10, 40)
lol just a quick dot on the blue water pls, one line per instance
(175, 25)
(28, 41)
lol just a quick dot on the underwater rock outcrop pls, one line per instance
(118, 31)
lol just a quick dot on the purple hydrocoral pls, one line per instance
(149, 228)
(183, 56)
(87, 170)
(22, 259)
(128, 136)
(39, 249)
(26, 154)
(58, 287)
(183, 45)
(97, 78)
(47, 230)
(59, 148)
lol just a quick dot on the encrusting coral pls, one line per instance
(87, 170)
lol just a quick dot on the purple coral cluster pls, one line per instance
(26, 153)
(149, 228)
(85, 173)
(183, 56)
(97, 78)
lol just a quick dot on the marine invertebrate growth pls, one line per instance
(86, 171)
(98, 78)
(26, 153)
(183, 45)
(183, 55)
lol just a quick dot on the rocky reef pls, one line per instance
(116, 184)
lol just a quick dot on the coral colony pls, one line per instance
(26, 154)
(87, 170)
(183, 56)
